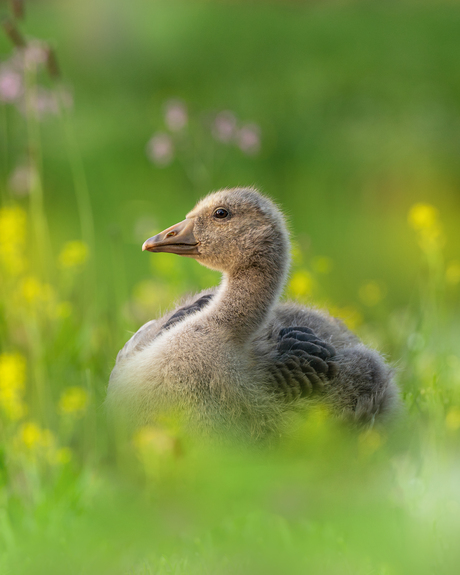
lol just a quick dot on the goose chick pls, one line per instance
(233, 357)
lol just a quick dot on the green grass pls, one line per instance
(358, 107)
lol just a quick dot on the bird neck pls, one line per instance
(245, 299)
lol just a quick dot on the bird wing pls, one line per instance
(149, 331)
(304, 363)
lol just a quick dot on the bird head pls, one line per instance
(228, 230)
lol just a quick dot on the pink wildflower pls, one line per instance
(160, 149)
(10, 85)
(248, 139)
(224, 126)
(176, 116)
(45, 102)
(35, 54)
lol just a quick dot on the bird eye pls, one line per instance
(220, 213)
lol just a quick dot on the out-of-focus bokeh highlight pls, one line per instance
(115, 118)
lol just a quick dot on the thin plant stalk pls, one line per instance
(5, 158)
(38, 216)
(79, 177)
(41, 236)
(84, 207)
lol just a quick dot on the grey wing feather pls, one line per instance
(329, 329)
(139, 340)
(149, 331)
(358, 384)
(304, 363)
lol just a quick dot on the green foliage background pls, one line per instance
(358, 105)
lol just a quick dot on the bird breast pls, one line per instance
(183, 365)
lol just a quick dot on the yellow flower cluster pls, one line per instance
(423, 216)
(35, 298)
(424, 219)
(33, 290)
(37, 443)
(12, 385)
(154, 440)
(348, 314)
(73, 401)
(155, 447)
(304, 280)
(37, 295)
(27, 292)
(13, 222)
(33, 437)
(73, 255)
(301, 284)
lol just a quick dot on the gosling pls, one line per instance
(232, 359)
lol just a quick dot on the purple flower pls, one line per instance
(248, 139)
(160, 149)
(176, 116)
(224, 126)
(11, 87)
(35, 54)
(45, 102)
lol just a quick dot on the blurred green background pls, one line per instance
(357, 103)
(347, 113)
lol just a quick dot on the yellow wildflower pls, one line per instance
(73, 400)
(371, 293)
(301, 283)
(39, 297)
(150, 441)
(348, 314)
(423, 216)
(38, 444)
(73, 254)
(31, 289)
(34, 291)
(13, 223)
(32, 435)
(453, 419)
(453, 272)
(12, 385)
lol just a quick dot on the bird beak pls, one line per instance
(177, 239)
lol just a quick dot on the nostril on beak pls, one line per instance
(171, 234)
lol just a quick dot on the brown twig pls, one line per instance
(52, 64)
(18, 9)
(13, 33)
